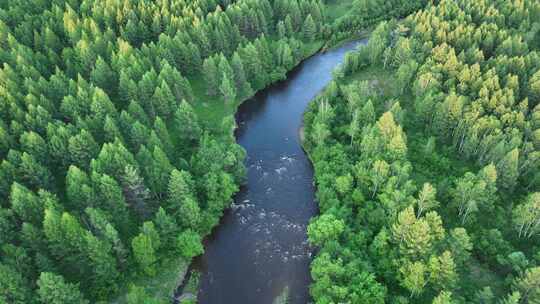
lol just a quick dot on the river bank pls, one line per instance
(263, 236)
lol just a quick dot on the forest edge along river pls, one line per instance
(260, 247)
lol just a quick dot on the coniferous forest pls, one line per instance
(426, 151)
(118, 155)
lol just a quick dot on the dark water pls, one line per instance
(261, 245)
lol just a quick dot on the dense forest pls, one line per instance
(426, 148)
(106, 167)
(117, 151)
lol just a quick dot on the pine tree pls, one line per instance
(111, 130)
(167, 227)
(111, 198)
(189, 244)
(103, 76)
(181, 200)
(136, 192)
(33, 173)
(281, 30)
(227, 90)
(82, 149)
(210, 73)
(79, 191)
(26, 204)
(289, 27)
(242, 85)
(54, 289)
(160, 129)
(509, 170)
(104, 274)
(252, 64)
(112, 160)
(158, 172)
(187, 124)
(163, 100)
(309, 29)
(15, 287)
(194, 58)
(127, 88)
(144, 253)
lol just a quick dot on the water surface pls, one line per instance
(260, 246)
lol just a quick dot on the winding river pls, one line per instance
(260, 247)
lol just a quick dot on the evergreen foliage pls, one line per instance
(425, 160)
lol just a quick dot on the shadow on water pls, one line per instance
(260, 247)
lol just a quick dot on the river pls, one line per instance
(260, 246)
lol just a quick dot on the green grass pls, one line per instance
(210, 109)
(162, 286)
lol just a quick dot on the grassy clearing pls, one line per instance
(210, 109)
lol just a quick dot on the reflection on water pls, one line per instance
(261, 246)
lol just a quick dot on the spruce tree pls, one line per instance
(210, 74)
(242, 85)
(309, 29)
(227, 90)
(187, 125)
(54, 289)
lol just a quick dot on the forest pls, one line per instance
(426, 148)
(118, 155)
(111, 169)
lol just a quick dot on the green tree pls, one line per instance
(227, 90)
(138, 295)
(528, 286)
(526, 216)
(444, 297)
(509, 170)
(103, 76)
(309, 28)
(13, 286)
(79, 191)
(33, 173)
(427, 199)
(414, 277)
(442, 271)
(242, 85)
(26, 204)
(113, 159)
(144, 253)
(82, 149)
(325, 228)
(460, 245)
(136, 192)
(163, 100)
(181, 199)
(189, 244)
(211, 76)
(54, 289)
(104, 275)
(187, 124)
